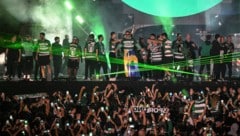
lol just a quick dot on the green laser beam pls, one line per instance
(204, 60)
(165, 67)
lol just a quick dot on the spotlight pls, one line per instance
(220, 23)
(68, 5)
(79, 19)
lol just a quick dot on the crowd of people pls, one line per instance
(204, 111)
(156, 58)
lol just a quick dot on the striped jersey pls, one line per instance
(128, 44)
(156, 53)
(178, 49)
(199, 106)
(167, 49)
(127, 47)
(44, 47)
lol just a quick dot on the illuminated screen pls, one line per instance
(171, 8)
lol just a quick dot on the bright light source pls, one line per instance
(79, 19)
(2, 58)
(172, 8)
(68, 5)
(219, 23)
(217, 16)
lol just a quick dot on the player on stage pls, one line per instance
(44, 56)
(90, 57)
(27, 57)
(129, 44)
(57, 57)
(113, 43)
(155, 47)
(191, 47)
(101, 58)
(167, 55)
(179, 56)
(74, 56)
(204, 55)
(230, 49)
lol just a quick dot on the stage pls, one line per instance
(26, 87)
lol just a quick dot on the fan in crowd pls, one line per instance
(113, 111)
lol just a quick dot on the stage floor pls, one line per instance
(26, 87)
